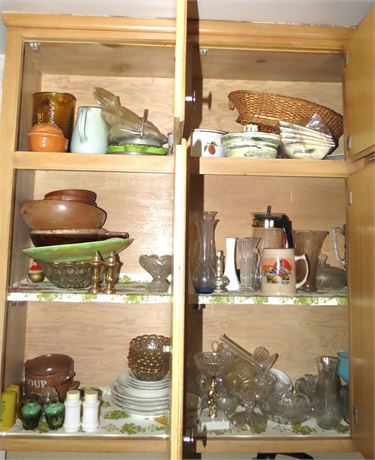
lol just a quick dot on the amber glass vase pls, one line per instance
(55, 108)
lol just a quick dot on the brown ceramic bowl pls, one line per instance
(70, 198)
(49, 364)
(60, 214)
(56, 237)
(77, 193)
(41, 142)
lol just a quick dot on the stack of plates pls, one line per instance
(139, 397)
(251, 144)
(301, 142)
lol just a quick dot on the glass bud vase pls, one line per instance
(204, 273)
(327, 405)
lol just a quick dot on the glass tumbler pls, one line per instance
(249, 257)
(55, 108)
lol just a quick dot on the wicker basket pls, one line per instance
(266, 109)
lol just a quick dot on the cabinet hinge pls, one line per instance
(349, 198)
(354, 415)
(346, 59)
(348, 143)
(35, 46)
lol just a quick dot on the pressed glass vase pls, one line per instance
(204, 273)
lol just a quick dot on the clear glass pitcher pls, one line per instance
(335, 232)
(327, 405)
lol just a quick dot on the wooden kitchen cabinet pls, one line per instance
(359, 75)
(134, 59)
(147, 196)
(281, 59)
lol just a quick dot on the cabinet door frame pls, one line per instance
(359, 90)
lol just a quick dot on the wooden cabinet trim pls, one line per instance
(268, 36)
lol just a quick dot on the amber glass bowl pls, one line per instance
(148, 358)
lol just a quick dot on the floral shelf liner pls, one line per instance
(131, 291)
(126, 292)
(115, 422)
(301, 298)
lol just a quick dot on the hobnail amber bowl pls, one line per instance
(148, 357)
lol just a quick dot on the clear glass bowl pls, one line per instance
(211, 363)
(68, 275)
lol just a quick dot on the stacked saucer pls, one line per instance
(305, 143)
(140, 397)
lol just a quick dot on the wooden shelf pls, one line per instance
(297, 443)
(92, 162)
(272, 167)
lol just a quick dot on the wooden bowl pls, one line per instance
(77, 193)
(70, 198)
(60, 214)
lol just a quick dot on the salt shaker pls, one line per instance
(72, 404)
(90, 414)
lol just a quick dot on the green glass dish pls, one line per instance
(77, 252)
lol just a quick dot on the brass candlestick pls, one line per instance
(111, 274)
(212, 397)
(221, 281)
(97, 263)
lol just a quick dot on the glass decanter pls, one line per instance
(327, 406)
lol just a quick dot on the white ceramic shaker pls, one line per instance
(72, 421)
(90, 414)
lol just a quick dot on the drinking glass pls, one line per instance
(249, 257)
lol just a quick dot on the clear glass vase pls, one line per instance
(204, 273)
(308, 242)
(327, 405)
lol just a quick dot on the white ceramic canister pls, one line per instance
(90, 133)
(90, 411)
(207, 143)
(72, 422)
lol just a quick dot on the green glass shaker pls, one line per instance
(54, 413)
(31, 412)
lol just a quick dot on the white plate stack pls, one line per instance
(140, 397)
